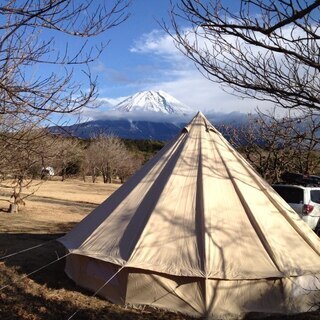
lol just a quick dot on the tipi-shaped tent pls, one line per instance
(197, 230)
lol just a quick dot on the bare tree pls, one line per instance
(90, 162)
(274, 144)
(68, 152)
(307, 141)
(109, 155)
(39, 69)
(22, 153)
(37, 63)
(267, 50)
(128, 166)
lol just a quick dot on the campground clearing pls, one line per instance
(53, 209)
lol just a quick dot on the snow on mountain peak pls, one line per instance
(153, 101)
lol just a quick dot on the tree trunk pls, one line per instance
(16, 196)
(63, 175)
(108, 173)
(93, 174)
(83, 173)
(13, 208)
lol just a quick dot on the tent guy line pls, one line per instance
(95, 293)
(27, 249)
(35, 271)
(47, 265)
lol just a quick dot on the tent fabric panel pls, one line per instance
(92, 274)
(280, 239)
(118, 213)
(131, 216)
(164, 291)
(279, 295)
(278, 202)
(232, 245)
(172, 227)
(301, 228)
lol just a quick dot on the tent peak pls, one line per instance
(199, 117)
(199, 113)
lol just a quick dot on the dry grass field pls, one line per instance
(49, 294)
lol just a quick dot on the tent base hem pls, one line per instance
(196, 297)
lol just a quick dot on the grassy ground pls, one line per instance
(49, 294)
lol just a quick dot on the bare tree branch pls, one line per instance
(267, 50)
(30, 30)
(274, 145)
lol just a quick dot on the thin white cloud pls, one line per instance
(201, 94)
(184, 81)
(174, 73)
(100, 109)
(139, 115)
(111, 102)
(156, 42)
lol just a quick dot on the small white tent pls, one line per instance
(197, 230)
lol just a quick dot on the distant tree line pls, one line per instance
(106, 156)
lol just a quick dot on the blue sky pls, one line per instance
(141, 56)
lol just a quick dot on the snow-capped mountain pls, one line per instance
(153, 101)
(145, 115)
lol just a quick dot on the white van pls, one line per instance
(304, 200)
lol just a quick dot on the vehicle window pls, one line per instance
(315, 196)
(291, 195)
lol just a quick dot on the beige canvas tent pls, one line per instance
(197, 230)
